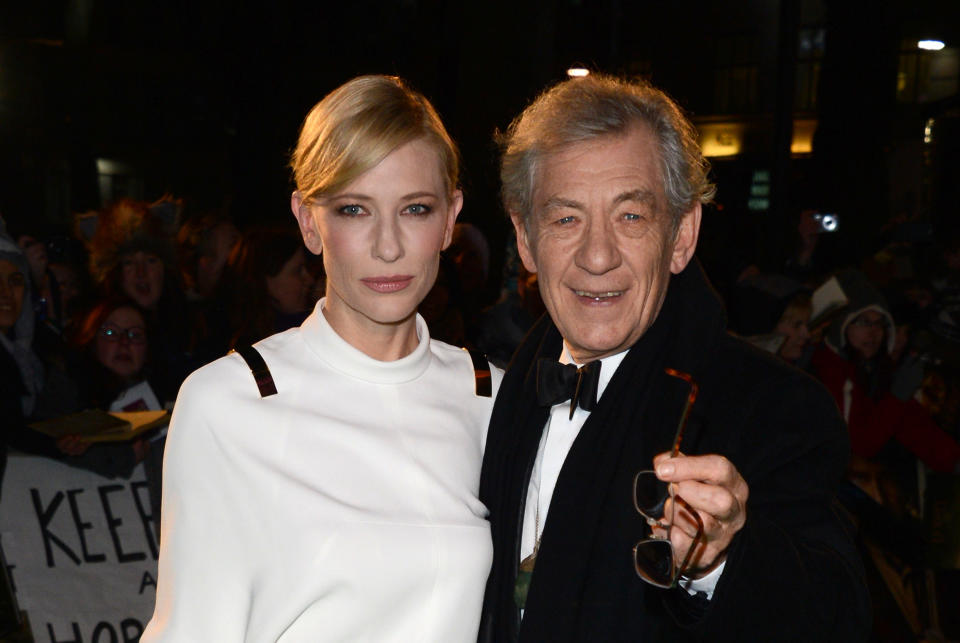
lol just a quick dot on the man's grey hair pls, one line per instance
(584, 109)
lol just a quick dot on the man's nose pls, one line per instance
(387, 244)
(597, 252)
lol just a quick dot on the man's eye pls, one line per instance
(633, 216)
(418, 209)
(566, 220)
(351, 210)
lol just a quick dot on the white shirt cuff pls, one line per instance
(706, 584)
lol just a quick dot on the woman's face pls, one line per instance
(865, 334)
(121, 343)
(141, 278)
(12, 286)
(381, 238)
(290, 288)
(793, 326)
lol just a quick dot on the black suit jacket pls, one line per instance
(792, 572)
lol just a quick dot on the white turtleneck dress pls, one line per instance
(344, 508)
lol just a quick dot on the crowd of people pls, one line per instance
(117, 314)
(883, 342)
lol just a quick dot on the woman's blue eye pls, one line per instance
(351, 210)
(419, 209)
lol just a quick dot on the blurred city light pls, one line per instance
(578, 72)
(721, 139)
(930, 45)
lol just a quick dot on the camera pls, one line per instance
(826, 222)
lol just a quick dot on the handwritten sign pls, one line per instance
(80, 550)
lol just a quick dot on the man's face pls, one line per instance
(601, 241)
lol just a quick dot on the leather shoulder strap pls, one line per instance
(261, 374)
(483, 384)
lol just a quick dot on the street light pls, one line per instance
(930, 45)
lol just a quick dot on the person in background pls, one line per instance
(111, 371)
(442, 308)
(333, 495)
(855, 365)
(793, 326)
(503, 326)
(112, 340)
(21, 371)
(132, 254)
(772, 312)
(204, 245)
(270, 284)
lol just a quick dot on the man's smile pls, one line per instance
(599, 296)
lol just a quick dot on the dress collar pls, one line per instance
(340, 355)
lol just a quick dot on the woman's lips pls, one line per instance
(393, 283)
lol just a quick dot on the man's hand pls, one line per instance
(716, 490)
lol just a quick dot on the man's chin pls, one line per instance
(588, 349)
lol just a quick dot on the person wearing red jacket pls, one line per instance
(854, 363)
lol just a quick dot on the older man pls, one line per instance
(632, 370)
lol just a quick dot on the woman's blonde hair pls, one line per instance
(357, 125)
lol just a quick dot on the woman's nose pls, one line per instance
(387, 245)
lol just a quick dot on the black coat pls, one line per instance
(792, 572)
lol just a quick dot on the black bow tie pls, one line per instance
(557, 382)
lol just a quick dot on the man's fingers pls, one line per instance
(714, 469)
(717, 501)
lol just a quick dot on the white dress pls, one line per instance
(344, 508)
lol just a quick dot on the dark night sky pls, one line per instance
(204, 98)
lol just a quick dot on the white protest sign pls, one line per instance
(80, 549)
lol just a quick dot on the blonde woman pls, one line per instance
(344, 507)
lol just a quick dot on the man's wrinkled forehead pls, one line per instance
(643, 176)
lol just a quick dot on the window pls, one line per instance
(925, 76)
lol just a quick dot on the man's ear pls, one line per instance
(686, 240)
(308, 225)
(523, 242)
(453, 211)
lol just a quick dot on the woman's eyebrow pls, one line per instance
(418, 195)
